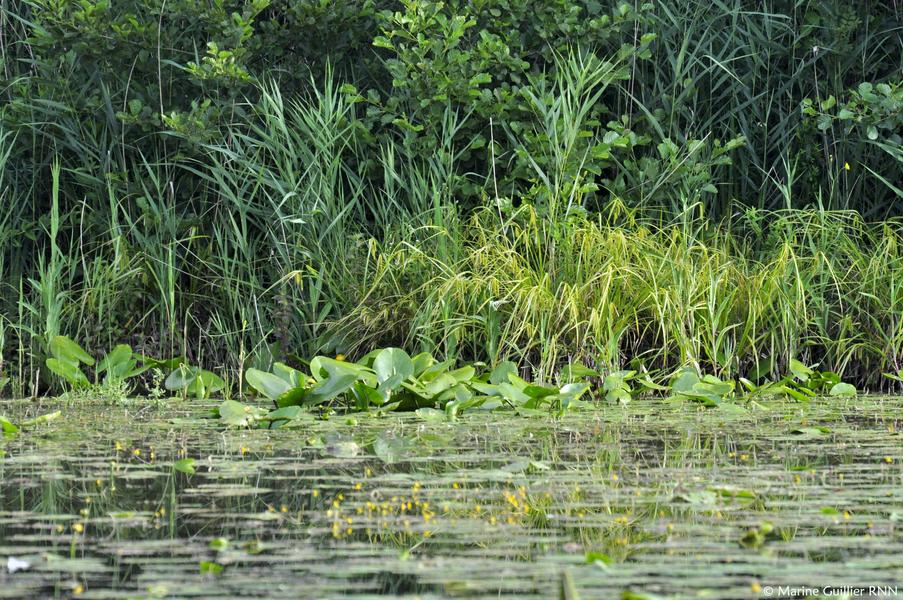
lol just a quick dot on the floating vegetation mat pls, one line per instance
(657, 499)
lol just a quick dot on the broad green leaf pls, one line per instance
(293, 377)
(8, 428)
(181, 378)
(431, 415)
(185, 465)
(389, 450)
(280, 416)
(327, 389)
(292, 397)
(577, 371)
(68, 351)
(393, 365)
(502, 371)
(237, 414)
(800, 370)
(422, 362)
(685, 381)
(67, 370)
(267, 384)
(41, 419)
(117, 361)
(843, 390)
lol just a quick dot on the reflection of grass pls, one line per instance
(626, 487)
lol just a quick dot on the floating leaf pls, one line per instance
(843, 390)
(267, 384)
(185, 465)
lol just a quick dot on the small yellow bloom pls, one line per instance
(78, 528)
(755, 588)
(888, 459)
(846, 166)
(315, 493)
(79, 589)
(340, 357)
(136, 452)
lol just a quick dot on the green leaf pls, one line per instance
(843, 390)
(41, 419)
(502, 371)
(431, 415)
(237, 414)
(181, 378)
(799, 370)
(267, 384)
(393, 364)
(68, 351)
(8, 428)
(118, 361)
(577, 371)
(389, 450)
(185, 465)
(281, 416)
(67, 370)
(219, 544)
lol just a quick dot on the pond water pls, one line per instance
(656, 499)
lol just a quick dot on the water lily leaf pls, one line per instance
(206, 383)
(117, 361)
(268, 384)
(342, 449)
(67, 370)
(208, 567)
(422, 362)
(237, 414)
(539, 391)
(463, 375)
(800, 370)
(389, 450)
(185, 465)
(810, 432)
(326, 390)
(577, 371)
(219, 544)
(181, 378)
(701, 499)
(41, 419)
(64, 349)
(393, 365)
(512, 394)
(843, 390)
(502, 371)
(685, 381)
(293, 377)
(280, 416)
(8, 428)
(431, 415)
(292, 397)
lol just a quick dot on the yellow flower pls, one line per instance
(755, 588)
(340, 357)
(78, 528)
(846, 166)
(78, 589)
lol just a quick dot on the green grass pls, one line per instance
(744, 296)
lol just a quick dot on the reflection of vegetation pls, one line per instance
(399, 502)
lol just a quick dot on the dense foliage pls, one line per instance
(246, 181)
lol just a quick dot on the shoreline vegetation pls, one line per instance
(626, 186)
